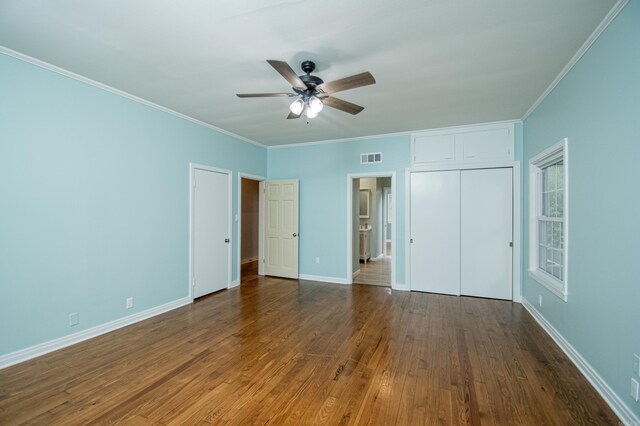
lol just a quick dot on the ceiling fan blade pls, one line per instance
(342, 105)
(292, 115)
(358, 80)
(285, 70)
(264, 95)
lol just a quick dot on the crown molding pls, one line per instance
(579, 54)
(389, 135)
(37, 62)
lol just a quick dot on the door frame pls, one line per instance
(192, 170)
(350, 178)
(385, 193)
(516, 280)
(261, 180)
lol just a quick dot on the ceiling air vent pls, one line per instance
(371, 157)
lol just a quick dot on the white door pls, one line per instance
(435, 232)
(211, 246)
(486, 233)
(281, 248)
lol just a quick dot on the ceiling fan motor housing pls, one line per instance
(308, 67)
(311, 81)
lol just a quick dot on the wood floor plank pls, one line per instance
(276, 351)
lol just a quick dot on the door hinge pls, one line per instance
(510, 243)
(411, 240)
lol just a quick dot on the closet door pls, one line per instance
(435, 232)
(486, 231)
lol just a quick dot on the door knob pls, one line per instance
(226, 240)
(295, 234)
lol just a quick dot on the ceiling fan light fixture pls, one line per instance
(315, 104)
(297, 106)
(311, 113)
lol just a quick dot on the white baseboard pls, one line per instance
(71, 339)
(355, 274)
(615, 402)
(400, 287)
(235, 283)
(333, 280)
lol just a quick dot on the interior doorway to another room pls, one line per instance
(249, 229)
(372, 220)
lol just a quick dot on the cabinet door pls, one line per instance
(429, 149)
(495, 144)
(435, 231)
(486, 233)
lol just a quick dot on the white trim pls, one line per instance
(407, 228)
(387, 135)
(617, 8)
(259, 179)
(262, 187)
(536, 163)
(71, 339)
(234, 283)
(461, 166)
(616, 403)
(192, 168)
(86, 80)
(350, 177)
(516, 279)
(400, 287)
(517, 232)
(319, 278)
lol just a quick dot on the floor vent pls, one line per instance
(371, 157)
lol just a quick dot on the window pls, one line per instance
(548, 218)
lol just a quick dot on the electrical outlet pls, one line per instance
(636, 364)
(129, 303)
(635, 390)
(317, 260)
(540, 300)
(73, 319)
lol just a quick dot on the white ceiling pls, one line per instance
(437, 63)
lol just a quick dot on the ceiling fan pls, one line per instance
(311, 92)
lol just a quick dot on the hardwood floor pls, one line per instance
(287, 352)
(376, 272)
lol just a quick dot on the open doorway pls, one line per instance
(250, 228)
(371, 220)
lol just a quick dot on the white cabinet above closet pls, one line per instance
(468, 144)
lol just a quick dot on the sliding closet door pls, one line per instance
(435, 232)
(486, 233)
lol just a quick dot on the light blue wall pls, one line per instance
(322, 170)
(597, 106)
(94, 202)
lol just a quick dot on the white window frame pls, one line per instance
(551, 155)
